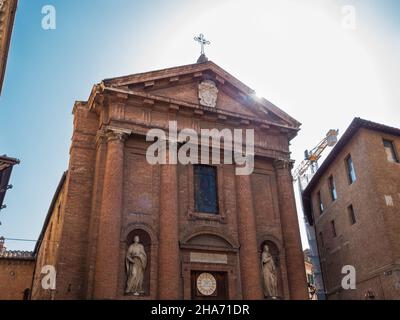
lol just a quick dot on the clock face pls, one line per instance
(206, 284)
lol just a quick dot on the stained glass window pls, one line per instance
(205, 189)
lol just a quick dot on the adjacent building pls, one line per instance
(6, 167)
(353, 201)
(312, 290)
(7, 15)
(16, 272)
(197, 231)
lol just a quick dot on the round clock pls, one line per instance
(206, 284)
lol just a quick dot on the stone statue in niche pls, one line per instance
(269, 274)
(208, 93)
(136, 263)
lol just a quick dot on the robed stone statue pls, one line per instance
(269, 274)
(136, 263)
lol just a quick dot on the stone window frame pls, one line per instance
(352, 214)
(320, 203)
(333, 228)
(350, 169)
(198, 188)
(390, 144)
(332, 188)
(192, 213)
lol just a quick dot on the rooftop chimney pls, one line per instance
(2, 247)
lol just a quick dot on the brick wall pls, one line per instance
(371, 245)
(88, 244)
(15, 278)
(48, 247)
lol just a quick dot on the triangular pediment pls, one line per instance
(182, 84)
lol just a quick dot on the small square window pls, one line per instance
(352, 215)
(333, 226)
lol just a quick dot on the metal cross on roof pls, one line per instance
(203, 42)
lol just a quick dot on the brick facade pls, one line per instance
(16, 270)
(371, 244)
(111, 193)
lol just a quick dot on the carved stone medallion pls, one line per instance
(206, 284)
(208, 93)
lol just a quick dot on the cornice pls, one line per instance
(149, 100)
(201, 70)
(129, 128)
(196, 68)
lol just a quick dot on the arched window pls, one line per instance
(27, 293)
(205, 189)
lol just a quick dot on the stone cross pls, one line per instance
(203, 42)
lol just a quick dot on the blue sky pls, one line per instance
(294, 53)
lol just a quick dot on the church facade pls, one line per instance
(120, 227)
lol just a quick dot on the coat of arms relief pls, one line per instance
(208, 93)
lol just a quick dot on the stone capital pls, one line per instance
(101, 137)
(281, 164)
(117, 134)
